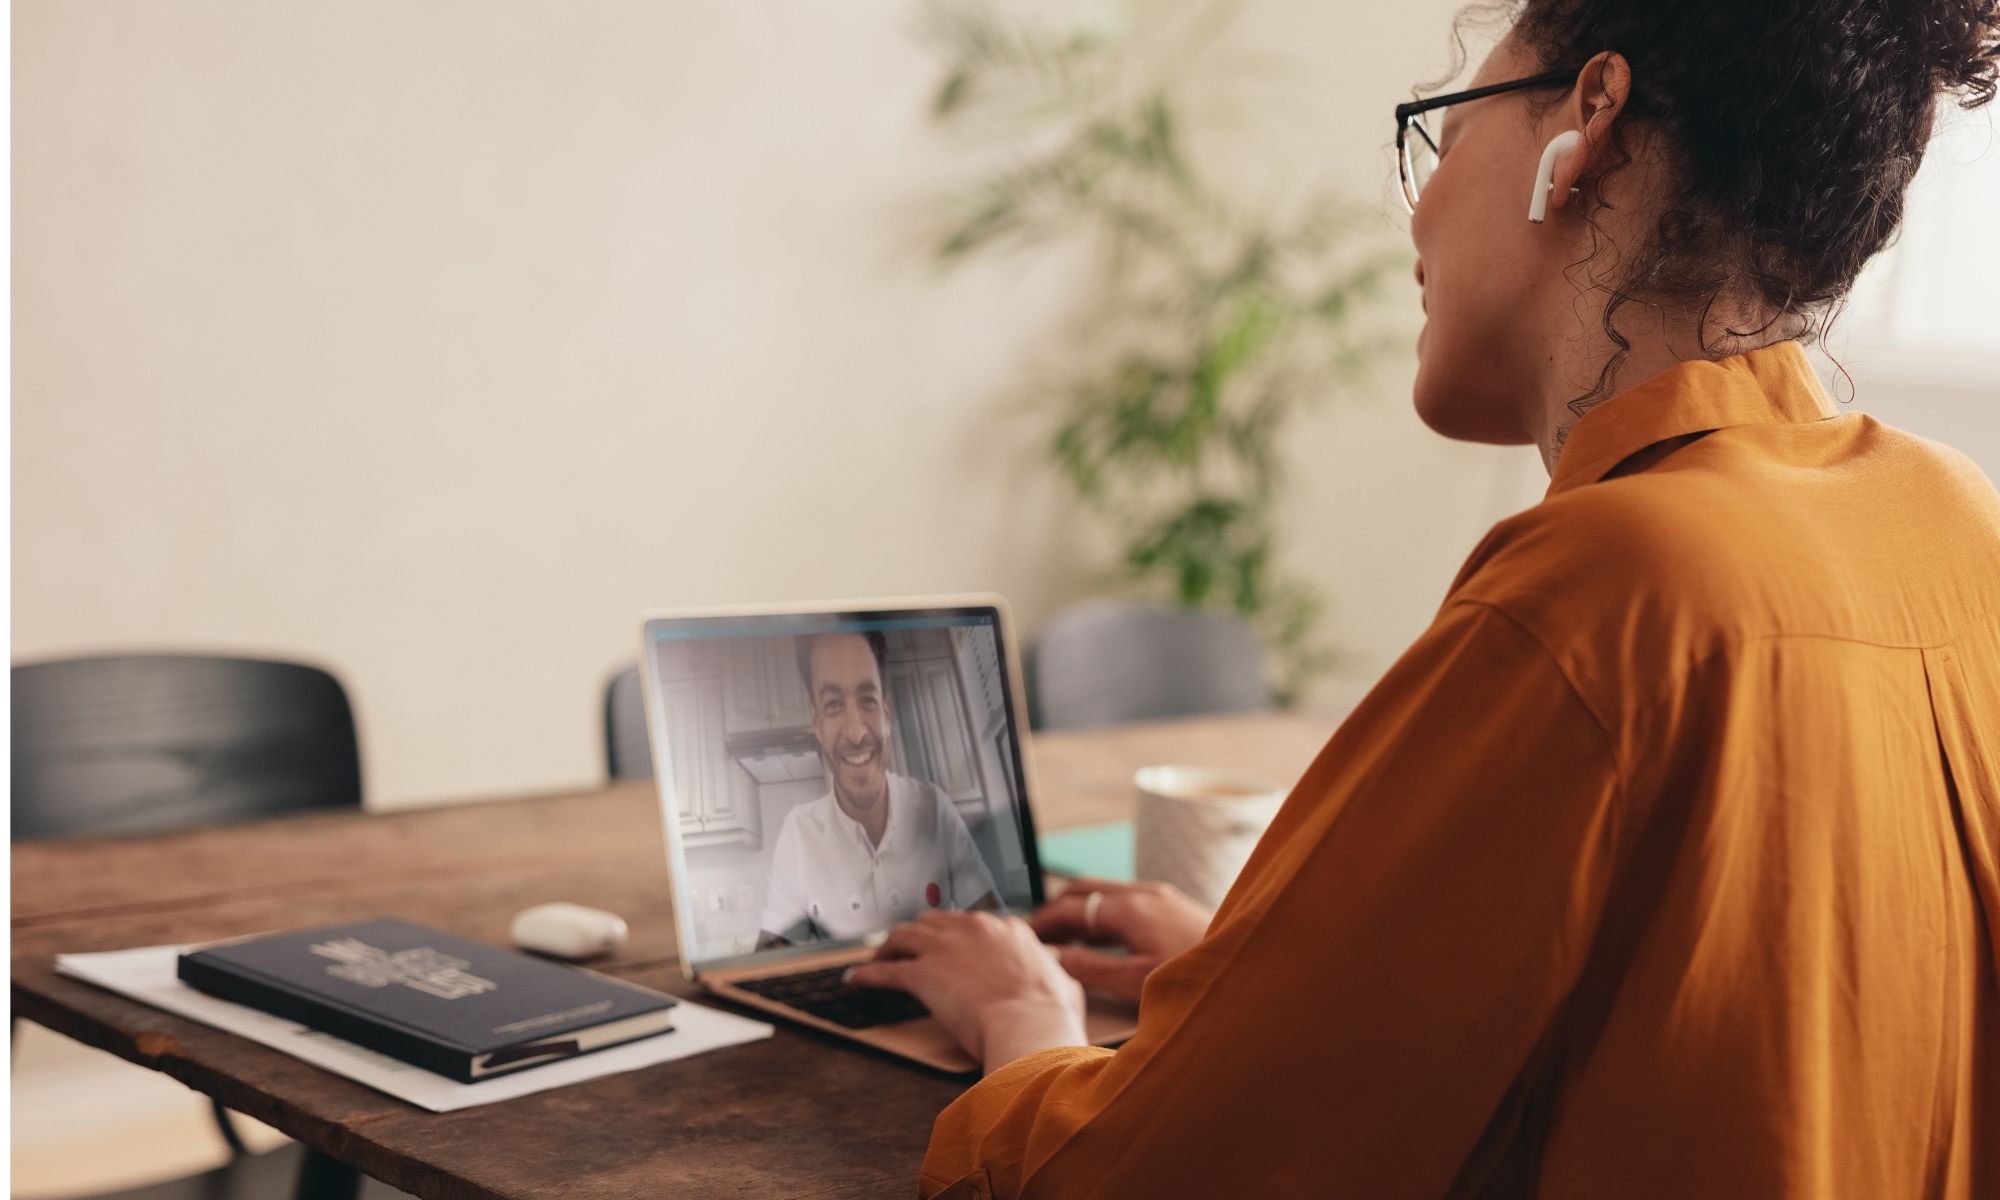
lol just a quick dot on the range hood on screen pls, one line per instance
(778, 755)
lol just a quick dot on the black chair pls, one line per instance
(153, 743)
(627, 752)
(1109, 662)
(160, 742)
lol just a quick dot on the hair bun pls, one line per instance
(1794, 128)
(1965, 47)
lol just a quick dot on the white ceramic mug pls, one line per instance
(1194, 827)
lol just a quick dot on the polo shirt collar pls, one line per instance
(1772, 385)
(853, 827)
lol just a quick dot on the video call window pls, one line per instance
(834, 779)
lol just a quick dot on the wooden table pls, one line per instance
(797, 1115)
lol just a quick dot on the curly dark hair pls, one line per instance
(1794, 128)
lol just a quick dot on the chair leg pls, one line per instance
(227, 1128)
(322, 1177)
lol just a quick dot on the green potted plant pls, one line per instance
(1213, 324)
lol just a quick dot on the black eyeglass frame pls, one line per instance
(1408, 112)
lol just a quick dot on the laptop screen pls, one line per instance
(833, 774)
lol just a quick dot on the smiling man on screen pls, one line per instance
(878, 848)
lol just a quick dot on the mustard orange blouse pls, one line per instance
(1666, 863)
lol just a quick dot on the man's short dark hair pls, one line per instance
(876, 642)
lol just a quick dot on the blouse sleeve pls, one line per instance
(1377, 981)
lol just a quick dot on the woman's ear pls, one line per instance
(1595, 104)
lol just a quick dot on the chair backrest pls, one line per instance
(627, 752)
(1108, 662)
(149, 743)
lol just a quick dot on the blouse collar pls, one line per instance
(1771, 385)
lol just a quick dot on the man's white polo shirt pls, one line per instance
(825, 871)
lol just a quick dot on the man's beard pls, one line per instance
(875, 765)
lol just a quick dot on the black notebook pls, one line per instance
(461, 1008)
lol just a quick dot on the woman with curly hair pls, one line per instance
(1667, 861)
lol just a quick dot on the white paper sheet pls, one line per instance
(147, 975)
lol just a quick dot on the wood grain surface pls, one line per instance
(797, 1115)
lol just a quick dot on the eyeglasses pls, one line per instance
(1416, 162)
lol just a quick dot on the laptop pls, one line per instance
(827, 771)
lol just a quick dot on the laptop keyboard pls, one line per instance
(822, 994)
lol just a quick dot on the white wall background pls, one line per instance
(435, 341)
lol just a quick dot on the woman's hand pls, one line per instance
(1152, 921)
(985, 978)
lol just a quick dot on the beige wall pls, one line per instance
(435, 341)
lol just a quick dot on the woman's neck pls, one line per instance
(1574, 391)
(1571, 386)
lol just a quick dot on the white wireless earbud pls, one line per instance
(1538, 203)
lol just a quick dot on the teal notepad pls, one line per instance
(1099, 851)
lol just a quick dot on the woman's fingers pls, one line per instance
(1063, 918)
(902, 954)
(1086, 883)
(894, 973)
(1121, 975)
(908, 940)
(1068, 918)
